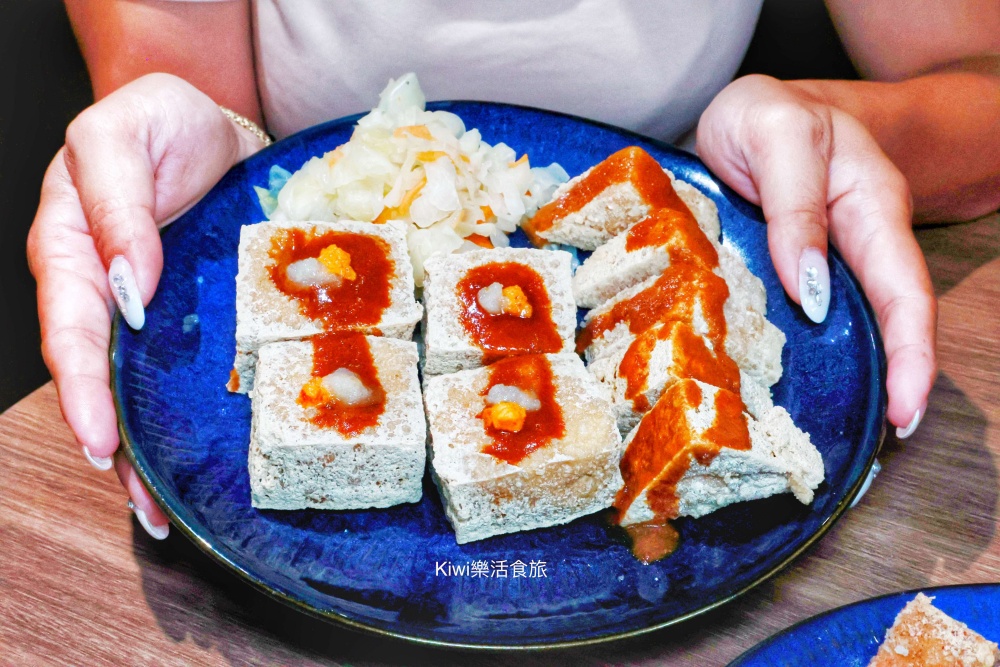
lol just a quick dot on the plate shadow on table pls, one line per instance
(952, 257)
(970, 519)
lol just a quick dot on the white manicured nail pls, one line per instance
(872, 474)
(903, 433)
(814, 284)
(126, 292)
(99, 462)
(156, 532)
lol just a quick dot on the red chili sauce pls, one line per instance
(678, 232)
(653, 540)
(661, 451)
(672, 297)
(234, 381)
(350, 304)
(632, 165)
(691, 358)
(533, 374)
(504, 334)
(351, 351)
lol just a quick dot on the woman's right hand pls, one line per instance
(132, 163)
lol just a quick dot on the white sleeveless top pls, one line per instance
(647, 65)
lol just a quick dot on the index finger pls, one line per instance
(108, 159)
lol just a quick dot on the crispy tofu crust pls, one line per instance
(924, 636)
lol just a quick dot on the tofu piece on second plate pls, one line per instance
(924, 636)
(337, 424)
(298, 279)
(525, 443)
(483, 305)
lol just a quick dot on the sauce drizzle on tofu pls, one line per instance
(677, 231)
(673, 296)
(684, 306)
(506, 334)
(691, 359)
(342, 350)
(532, 374)
(629, 165)
(663, 447)
(343, 305)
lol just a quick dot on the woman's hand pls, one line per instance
(818, 174)
(132, 162)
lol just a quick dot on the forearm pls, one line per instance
(209, 44)
(942, 130)
(938, 118)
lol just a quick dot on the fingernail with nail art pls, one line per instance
(126, 292)
(99, 462)
(814, 284)
(903, 433)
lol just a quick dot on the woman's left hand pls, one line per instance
(819, 175)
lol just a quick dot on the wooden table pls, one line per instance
(81, 583)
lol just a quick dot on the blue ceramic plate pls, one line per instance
(399, 571)
(850, 636)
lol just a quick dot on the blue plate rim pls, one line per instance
(874, 430)
(749, 654)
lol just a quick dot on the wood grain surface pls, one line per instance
(82, 584)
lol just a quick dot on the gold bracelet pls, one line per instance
(248, 124)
